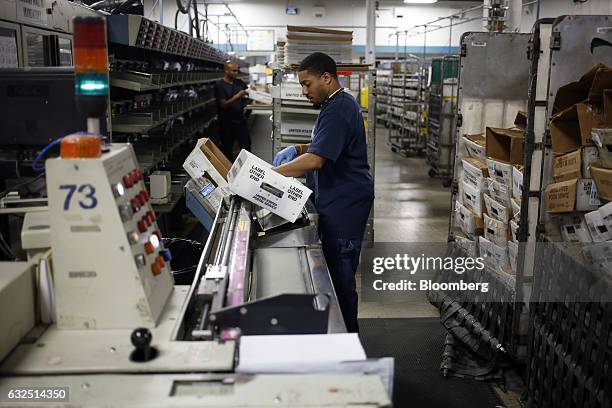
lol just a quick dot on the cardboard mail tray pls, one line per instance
(505, 145)
(207, 160)
(474, 172)
(475, 146)
(253, 179)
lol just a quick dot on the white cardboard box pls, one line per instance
(197, 164)
(590, 155)
(470, 223)
(517, 183)
(606, 214)
(587, 198)
(470, 246)
(292, 91)
(259, 96)
(495, 231)
(253, 179)
(514, 226)
(574, 229)
(494, 256)
(499, 191)
(475, 150)
(472, 199)
(500, 172)
(472, 174)
(497, 210)
(597, 227)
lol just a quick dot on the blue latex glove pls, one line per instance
(285, 155)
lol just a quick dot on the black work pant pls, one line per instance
(342, 258)
(234, 129)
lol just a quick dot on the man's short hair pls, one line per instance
(319, 63)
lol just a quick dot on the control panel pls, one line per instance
(111, 269)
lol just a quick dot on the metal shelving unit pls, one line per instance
(492, 88)
(569, 290)
(162, 95)
(142, 81)
(293, 117)
(441, 118)
(147, 59)
(401, 101)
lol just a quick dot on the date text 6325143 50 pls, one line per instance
(57, 394)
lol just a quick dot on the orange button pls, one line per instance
(160, 261)
(155, 269)
(149, 248)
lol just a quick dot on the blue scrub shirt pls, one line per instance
(343, 187)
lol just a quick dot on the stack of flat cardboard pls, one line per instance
(581, 133)
(280, 52)
(303, 41)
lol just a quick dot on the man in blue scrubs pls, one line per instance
(336, 167)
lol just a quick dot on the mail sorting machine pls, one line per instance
(113, 329)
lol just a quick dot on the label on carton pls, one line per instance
(500, 172)
(253, 179)
(495, 231)
(474, 149)
(496, 210)
(472, 198)
(587, 198)
(469, 222)
(499, 192)
(574, 229)
(568, 166)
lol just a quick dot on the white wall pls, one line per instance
(555, 8)
(351, 15)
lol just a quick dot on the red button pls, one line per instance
(145, 194)
(151, 216)
(127, 181)
(146, 221)
(140, 200)
(135, 204)
(139, 174)
(142, 226)
(149, 248)
(156, 269)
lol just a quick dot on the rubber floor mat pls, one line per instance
(417, 345)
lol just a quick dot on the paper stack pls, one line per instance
(303, 41)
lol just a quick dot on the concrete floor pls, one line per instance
(411, 208)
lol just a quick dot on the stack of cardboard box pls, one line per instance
(582, 170)
(490, 184)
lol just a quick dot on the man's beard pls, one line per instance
(317, 105)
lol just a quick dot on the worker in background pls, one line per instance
(336, 167)
(231, 100)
